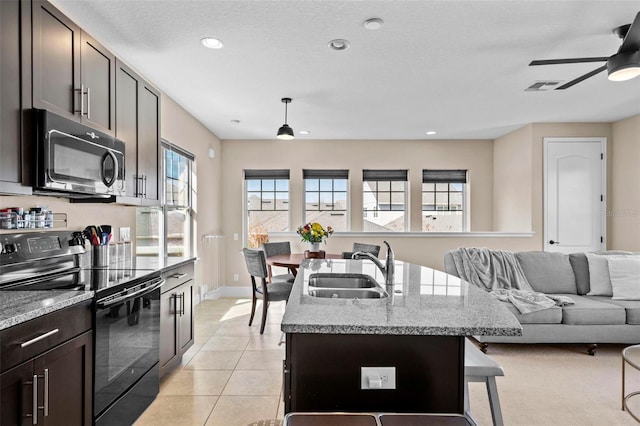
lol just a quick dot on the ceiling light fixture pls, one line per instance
(304, 132)
(339, 44)
(285, 132)
(431, 132)
(212, 43)
(373, 23)
(623, 66)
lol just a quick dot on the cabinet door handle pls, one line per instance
(40, 337)
(81, 90)
(178, 276)
(46, 392)
(34, 400)
(88, 103)
(182, 304)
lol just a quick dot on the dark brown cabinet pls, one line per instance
(322, 372)
(138, 125)
(56, 383)
(176, 316)
(73, 74)
(11, 28)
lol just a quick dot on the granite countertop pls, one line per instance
(17, 306)
(156, 263)
(20, 306)
(422, 301)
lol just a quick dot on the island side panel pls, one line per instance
(322, 373)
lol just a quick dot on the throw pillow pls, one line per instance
(548, 273)
(599, 281)
(625, 277)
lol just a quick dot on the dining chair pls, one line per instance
(273, 249)
(272, 292)
(367, 248)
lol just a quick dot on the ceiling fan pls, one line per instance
(623, 65)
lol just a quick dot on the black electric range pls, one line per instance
(126, 313)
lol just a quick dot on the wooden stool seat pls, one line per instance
(479, 367)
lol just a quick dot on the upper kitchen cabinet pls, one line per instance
(12, 13)
(73, 75)
(138, 125)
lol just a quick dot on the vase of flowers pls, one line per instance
(313, 233)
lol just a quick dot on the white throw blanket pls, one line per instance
(500, 273)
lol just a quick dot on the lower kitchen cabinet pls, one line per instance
(176, 316)
(55, 385)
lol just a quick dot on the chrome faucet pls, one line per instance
(388, 269)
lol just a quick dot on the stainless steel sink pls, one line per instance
(342, 281)
(348, 293)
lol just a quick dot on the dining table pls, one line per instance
(292, 260)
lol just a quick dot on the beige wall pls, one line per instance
(79, 215)
(181, 129)
(512, 183)
(623, 207)
(354, 155)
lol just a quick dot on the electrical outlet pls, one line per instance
(377, 377)
(236, 277)
(235, 236)
(125, 233)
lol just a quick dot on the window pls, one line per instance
(443, 200)
(177, 202)
(384, 200)
(267, 204)
(167, 230)
(326, 195)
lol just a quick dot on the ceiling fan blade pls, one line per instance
(567, 61)
(631, 41)
(581, 78)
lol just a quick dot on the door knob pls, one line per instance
(554, 242)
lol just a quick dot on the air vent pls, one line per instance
(540, 86)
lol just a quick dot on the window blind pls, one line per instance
(444, 176)
(391, 175)
(325, 174)
(266, 174)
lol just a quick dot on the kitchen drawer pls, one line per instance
(177, 276)
(69, 322)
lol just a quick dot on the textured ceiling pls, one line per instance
(458, 67)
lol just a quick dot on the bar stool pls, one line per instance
(478, 367)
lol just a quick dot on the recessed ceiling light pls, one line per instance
(235, 121)
(304, 132)
(431, 132)
(373, 24)
(339, 44)
(212, 43)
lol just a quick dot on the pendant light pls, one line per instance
(285, 132)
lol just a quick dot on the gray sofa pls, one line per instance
(591, 320)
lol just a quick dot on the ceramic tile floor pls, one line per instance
(231, 376)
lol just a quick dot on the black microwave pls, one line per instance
(76, 160)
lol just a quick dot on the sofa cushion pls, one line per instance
(587, 310)
(552, 315)
(625, 277)
(599, 281)
(580, 267)
(632, 307)
(549, 273)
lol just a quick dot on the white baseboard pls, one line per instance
(226, 291)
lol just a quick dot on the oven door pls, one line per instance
(78, 165)
(126, 342)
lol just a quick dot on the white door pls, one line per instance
(574, 194)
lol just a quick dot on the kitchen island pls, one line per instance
(417, 331)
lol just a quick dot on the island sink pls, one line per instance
(348, 293)
(342, 281)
